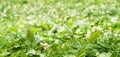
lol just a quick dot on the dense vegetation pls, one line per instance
(59, 28)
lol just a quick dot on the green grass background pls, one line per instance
(59, 28)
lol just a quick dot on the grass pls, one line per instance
(59, 28)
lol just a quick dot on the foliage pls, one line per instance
(59, 28)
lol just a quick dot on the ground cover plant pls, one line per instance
(59, 28)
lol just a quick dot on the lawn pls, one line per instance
(59, 28)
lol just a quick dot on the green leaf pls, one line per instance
(22, 54)
(30, 35)
(115, 54)
(94, 37)
(4, 53)
(2, 42)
